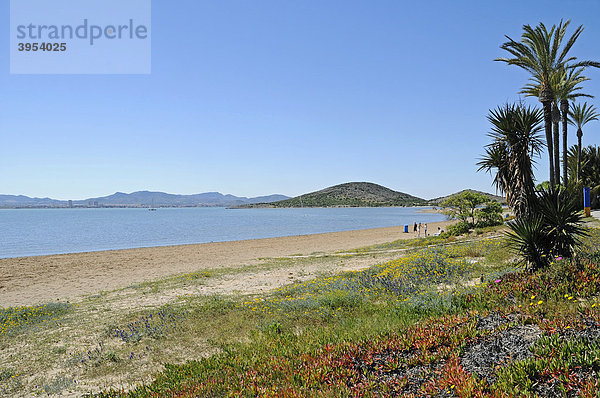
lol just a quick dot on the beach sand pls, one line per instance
(42, 279)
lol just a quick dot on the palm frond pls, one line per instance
(581, 114)
(544, 54)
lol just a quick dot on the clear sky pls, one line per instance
(260, 97)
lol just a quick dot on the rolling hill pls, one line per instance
(352, 194)
(438, 201)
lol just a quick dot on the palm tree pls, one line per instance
(579, 116)
(588, 161)
(572, 163)
(567, 88)
(565, 83)
(541, 52)
(515, 138)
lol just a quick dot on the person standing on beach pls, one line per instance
(425, 230)
(419, 231)
(415, 227)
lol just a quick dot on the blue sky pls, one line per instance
(261, 97)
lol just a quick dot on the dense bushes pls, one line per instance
(459, 228)
(552, 229)
(473, 210)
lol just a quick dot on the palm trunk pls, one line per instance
(579, 135)
(564, 109)
(546, 98)
(548, 129)
(555, 121)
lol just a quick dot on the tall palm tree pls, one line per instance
(515, 140)
(579, 116)
(567, 90)
(541, 52)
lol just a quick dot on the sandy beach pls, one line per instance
(41, 279)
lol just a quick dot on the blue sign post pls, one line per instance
(587, 207)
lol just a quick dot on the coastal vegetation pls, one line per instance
(548, 221)
(473, 209)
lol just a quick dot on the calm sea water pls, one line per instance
(30, 232)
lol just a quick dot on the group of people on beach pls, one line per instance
(418, 227)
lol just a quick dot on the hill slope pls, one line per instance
(352, 194)
(438, 201)
(26, 201)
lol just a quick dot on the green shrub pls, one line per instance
(528, 238)
(489, 215)
(459, 228)
(562, 219)
(553, 229)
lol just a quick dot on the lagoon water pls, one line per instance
(31, 232)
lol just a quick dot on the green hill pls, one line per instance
(352, 194)
(438, 201)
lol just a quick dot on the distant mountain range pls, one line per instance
(352, 194)
(140, 199)
(26, 201)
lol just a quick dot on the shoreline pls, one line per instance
(41, 279)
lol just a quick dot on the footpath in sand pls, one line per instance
(41, 279)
